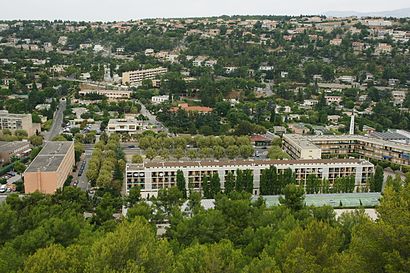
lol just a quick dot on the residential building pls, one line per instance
(159, 99)
(261, 141)
(332, 146)
(398, 96)
(298, 147)
(333, 99)
(136, 77)
(128, 125)
(400, 136)
(333, 118)
(153, 176)
(336, 42)
(298, 128)
(15, 122)
(383, 48)
(110, 94)
(149, 52)
(51, 167)
(12, 149)
(346, 79)
(309, 103)
(279, 130)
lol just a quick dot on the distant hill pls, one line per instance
(398, 13)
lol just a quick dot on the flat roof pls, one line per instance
(217, 163)
(389, 135)
(301, 141)
(50, 157)
(11, 146)
(381, 142)
(348, 200)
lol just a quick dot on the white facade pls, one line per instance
(152, 176)
(129, 126)
(299, 148)
(159, 99)
(110, 94)
(137, 76)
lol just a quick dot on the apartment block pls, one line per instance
(348, 145)
(152, 176)
(51, 167)
(136, 77)
(298, 147)
(15, 122)
(110, 94)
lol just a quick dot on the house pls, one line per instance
(149, 52)
(298, 128)
(394, 82)
(383, 48)
(336, 42)
(309, 103)
(333, 119)
(199, 61)
(266, 68)
(260, 141)
(159, 99)
(279, 130)
(346, 79)
(230, 69)
(398, 97)
(210, 63)
(284, 74)
(98, 48)
(333, 99)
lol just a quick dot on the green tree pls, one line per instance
(293, 198)
(36, 140)
(215, 185)
(137, 159)
(181, 183)
(134, 196)
(229, 183)
(118, 249)
(19, 167)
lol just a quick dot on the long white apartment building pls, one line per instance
(152, 176)
(136, 77)
(129, 125)
(110, 94)
(330, 146)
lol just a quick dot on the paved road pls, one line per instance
(152, 118)
(82, 180)
(57, 121)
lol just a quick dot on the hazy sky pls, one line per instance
(105, 10)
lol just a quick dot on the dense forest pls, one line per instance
(49, 233)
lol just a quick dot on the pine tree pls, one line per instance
(215, 184)
(181, 183)
(206, 189)
(378, 179)
(229, 183)
(239, 186)
(248, 181)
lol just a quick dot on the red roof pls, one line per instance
(186, 107)
(257, 138)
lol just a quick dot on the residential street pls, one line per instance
(57, 122)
